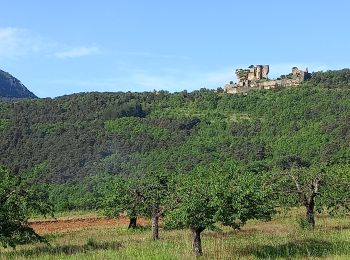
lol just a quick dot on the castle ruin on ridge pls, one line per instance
(256, 77)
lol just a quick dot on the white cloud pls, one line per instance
(16, 42)
(77, 52)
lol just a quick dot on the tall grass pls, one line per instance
(281, 238)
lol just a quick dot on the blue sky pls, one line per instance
(63, 47)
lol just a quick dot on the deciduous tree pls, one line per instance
(217, 193)
(19, 198)
(125, 195)
(316, 187)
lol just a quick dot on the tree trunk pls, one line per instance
(310, 212)
(197, 243)
(155, 227)
(133, 222)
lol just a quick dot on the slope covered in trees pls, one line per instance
(10, 87)
(84, 139)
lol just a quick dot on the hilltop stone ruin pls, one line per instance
(256, 77)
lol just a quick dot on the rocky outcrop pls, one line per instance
(256, 77)
(10, 87)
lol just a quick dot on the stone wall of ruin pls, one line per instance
(254, 78)
(271, 84)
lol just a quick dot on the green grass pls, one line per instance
(278, 239)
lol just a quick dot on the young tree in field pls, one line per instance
(316, 187)
(155, 195)
(124, 195)
(308, 186)
(18, 199)
(143, 195)
(217, 193)
(298, 179)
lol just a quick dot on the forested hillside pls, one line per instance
(84, 137)
(10, 87)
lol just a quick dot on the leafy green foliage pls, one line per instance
(18, 199)
(332, 78)
(124, 196)
(138, 196)
(316, 187)
(219, 193)
(132, 127)
(336, 193)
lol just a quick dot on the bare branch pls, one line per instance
(299, 189)
(316, 186)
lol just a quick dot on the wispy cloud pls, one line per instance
(77, 52)
(17, 42)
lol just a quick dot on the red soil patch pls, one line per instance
(49, 226)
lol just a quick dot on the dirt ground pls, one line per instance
(61, 225)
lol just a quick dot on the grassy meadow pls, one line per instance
(281, 238)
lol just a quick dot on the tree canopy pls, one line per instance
(218, 194)
(18, 199)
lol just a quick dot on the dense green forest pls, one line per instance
(81, 141)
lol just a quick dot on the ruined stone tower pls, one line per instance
(300, 74)
(253, 74)
(261, 71)
(256, 77)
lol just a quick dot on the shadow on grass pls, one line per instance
(90, 246)
(303, 248)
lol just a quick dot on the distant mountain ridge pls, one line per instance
(11, 87)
